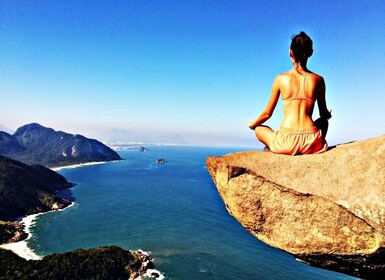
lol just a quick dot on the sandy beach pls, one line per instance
(79, 165)
(21, 248)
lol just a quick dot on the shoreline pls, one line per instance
(21, 248)
(80, 165)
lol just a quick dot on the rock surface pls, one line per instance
(326, 209)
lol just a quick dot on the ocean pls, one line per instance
(172, 211)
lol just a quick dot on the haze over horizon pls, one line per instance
(189, 72)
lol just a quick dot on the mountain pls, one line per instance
(36, 144)
(9, 144)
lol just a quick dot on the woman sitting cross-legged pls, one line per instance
(300, 89)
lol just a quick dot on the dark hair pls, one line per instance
(301, 46)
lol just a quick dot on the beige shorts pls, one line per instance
(298, 141)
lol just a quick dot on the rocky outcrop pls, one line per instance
(11, 232)
(327, 209)
(98, 263)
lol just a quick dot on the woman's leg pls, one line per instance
(322, 125)
(264, 134)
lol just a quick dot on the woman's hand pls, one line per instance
(252, 124)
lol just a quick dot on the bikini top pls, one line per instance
(300, 95)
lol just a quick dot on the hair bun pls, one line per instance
(301, 46)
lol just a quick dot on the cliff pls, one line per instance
(328, 209)
(36, 144)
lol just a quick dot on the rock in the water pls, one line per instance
(327, 209)
(161, 161)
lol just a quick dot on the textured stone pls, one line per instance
(313, 206)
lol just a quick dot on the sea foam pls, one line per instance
(21, 248)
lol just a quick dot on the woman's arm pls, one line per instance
(268, 111)
(321, 100)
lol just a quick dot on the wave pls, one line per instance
(150, 273)
(21, 248)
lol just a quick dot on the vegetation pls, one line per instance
(98, 263)
(36, 144)
(27, 189)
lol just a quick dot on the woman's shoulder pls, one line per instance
(316, 79)
(283, 76)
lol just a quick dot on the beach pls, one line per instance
(21, 248)
(79, 165)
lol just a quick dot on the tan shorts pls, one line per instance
(298, 141)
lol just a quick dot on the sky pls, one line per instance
(190, 72)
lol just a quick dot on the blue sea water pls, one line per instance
(172, 210)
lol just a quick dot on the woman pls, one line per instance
(300, 89)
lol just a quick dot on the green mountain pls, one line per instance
(28, 189)
(36, 144)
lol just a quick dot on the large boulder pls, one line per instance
(326, 209)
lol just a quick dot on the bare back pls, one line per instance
(299, 92)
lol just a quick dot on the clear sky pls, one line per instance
(192, 70)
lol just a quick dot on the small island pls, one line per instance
(160, 161)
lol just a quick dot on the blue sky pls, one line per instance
(192, 70)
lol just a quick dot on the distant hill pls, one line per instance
(36, 144)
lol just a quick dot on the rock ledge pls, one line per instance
(328, 209)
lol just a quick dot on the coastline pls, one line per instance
(80, 165)
(21, 248)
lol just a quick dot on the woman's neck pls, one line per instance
(300, 67)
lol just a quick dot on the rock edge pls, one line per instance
(327, 209)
